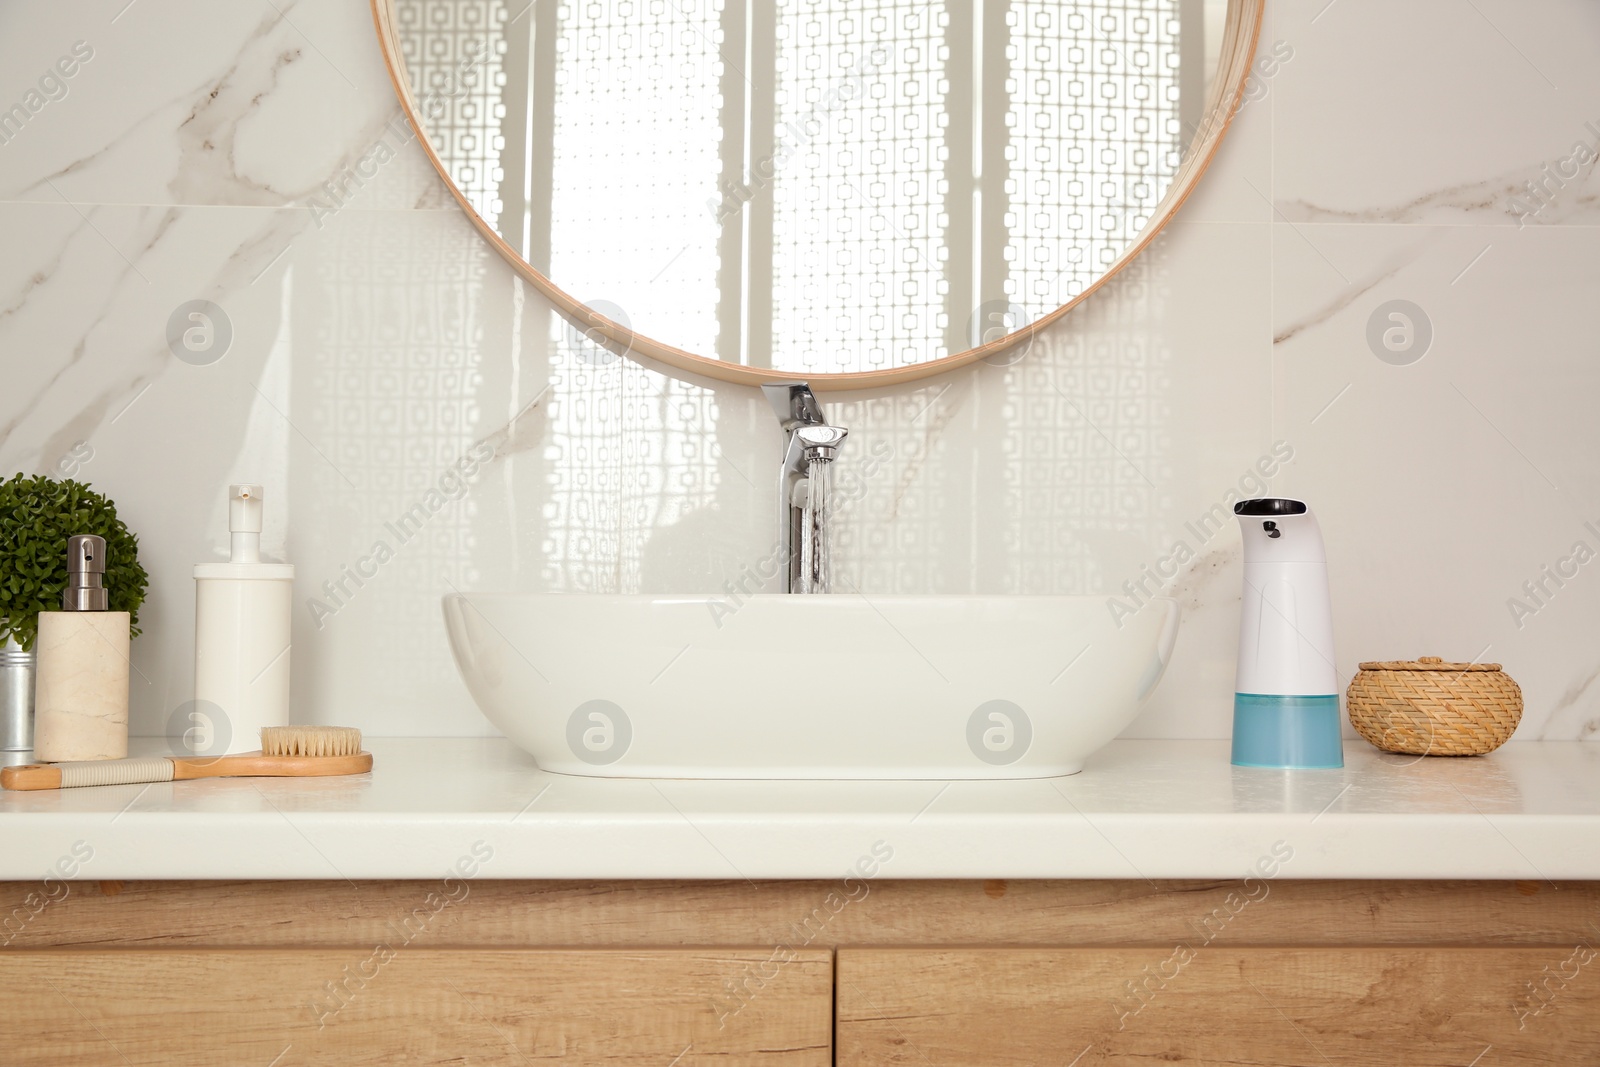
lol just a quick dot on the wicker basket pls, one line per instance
(1432, 708)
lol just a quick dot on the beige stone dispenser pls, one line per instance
(81, 695)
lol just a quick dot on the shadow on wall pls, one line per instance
(1038, 475)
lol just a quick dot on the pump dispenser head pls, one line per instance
(86, 570)
(244, 523)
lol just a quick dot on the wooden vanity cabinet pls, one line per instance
(674, 974)
(382, 1006)
(1307, 1007)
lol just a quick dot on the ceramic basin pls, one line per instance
(778, 686)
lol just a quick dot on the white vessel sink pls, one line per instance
(779, 686)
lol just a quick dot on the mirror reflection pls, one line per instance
(814, 186)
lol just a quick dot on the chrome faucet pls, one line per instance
(805, 484)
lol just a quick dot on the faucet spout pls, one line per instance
(821, 442)
(804, 482)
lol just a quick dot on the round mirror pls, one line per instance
(849, 191)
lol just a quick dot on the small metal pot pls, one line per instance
(16, 697)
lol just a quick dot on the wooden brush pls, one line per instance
(287, 752)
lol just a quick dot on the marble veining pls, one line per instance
(124, 374)
(1349, 296)
(1504, 199)
(41, 275)
(1574, 698)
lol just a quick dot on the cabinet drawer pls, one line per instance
(414, 1006)
(1205, 1006)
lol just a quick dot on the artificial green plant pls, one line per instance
(37, 515)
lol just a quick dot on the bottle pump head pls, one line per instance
(86, 569)
(1279, 530)
(244, 523)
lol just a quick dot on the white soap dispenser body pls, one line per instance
(81, 680)
(242, 617)
(1286, 691)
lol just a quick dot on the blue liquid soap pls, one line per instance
(1297, 732)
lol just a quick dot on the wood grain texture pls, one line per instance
(1221, 1006)
(178, 1007)
(257, 765)
(680, 914)
(31, 776)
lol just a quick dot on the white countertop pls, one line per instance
(1141, 809)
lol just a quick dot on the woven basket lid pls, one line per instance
(1427, 663)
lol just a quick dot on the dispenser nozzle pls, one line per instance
(244, 523)
(86, 568)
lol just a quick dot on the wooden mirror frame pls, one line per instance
(1239, 40)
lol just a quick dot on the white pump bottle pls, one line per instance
(241, 641)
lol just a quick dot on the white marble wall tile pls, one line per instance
(1445, 484)
(224, 104)
(1435, 111)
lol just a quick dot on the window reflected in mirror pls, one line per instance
(816, 186)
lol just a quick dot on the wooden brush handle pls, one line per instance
(31, 776)
(180, 768)
(255, 765)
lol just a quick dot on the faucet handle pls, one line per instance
(794, 403)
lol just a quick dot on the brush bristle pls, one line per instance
(310, 741)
